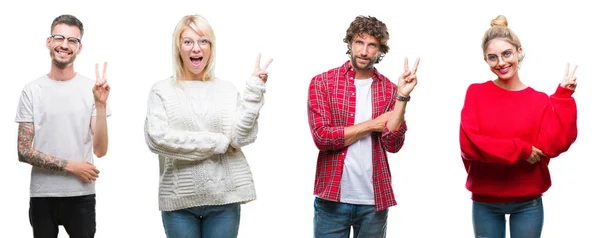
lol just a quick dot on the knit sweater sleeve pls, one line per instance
(558, 130)
(248, 109)
(478, 147)
(178, 144)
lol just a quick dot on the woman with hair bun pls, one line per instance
(508, 134)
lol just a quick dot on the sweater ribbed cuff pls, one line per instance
(256, 84)
(222, 144)
(563, 92)
(526, 151)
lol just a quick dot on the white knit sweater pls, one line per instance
(190, 127)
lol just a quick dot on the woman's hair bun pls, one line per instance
(499, 21)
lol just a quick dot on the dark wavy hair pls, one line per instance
(369, 25)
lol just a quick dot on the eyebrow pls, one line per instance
(200, 38)
(501, 52)
(64, 36)
(365, 42)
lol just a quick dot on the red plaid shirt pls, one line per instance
(331, 107)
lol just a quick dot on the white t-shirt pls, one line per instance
(61, 112)
(357, 177)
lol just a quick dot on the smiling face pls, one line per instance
(503, 58)
(195, 53)
(64, 45)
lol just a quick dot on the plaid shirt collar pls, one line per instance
(349, 71)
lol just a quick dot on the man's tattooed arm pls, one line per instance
(31, 156)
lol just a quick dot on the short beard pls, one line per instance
(59, 64)
(370, 65)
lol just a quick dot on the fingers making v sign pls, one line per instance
(569, 79)
(261, 72)
(101, 88)
(408, 80)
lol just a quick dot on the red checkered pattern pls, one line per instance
(331, 107)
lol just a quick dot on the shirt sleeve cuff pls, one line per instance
(562, 92)
(402, 129)
(338, 135)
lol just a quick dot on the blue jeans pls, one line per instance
(203, 222)
(526, 219)
(334, 219)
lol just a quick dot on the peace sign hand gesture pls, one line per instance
(569, 80)
(101, 88)
(408, 80)
(261, 72)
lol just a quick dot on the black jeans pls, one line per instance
(76, 214)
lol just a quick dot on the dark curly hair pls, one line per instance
(371, 26)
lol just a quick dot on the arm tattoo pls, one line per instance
(28, 155)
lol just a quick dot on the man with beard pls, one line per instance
(62, 119)
(356, 115)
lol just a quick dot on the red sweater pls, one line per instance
(498, 128)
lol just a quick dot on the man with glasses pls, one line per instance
(62, 119)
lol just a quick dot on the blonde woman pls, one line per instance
(508, 134)
(197, 123)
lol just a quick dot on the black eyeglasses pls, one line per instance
(60, 39)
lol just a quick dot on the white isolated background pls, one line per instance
(305, 38)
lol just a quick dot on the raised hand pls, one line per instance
(261, 72)
(408, 80)
(101, 88)
(536, 155)
(569, 80)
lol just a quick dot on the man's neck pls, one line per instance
(61, 74)
(363, 73)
